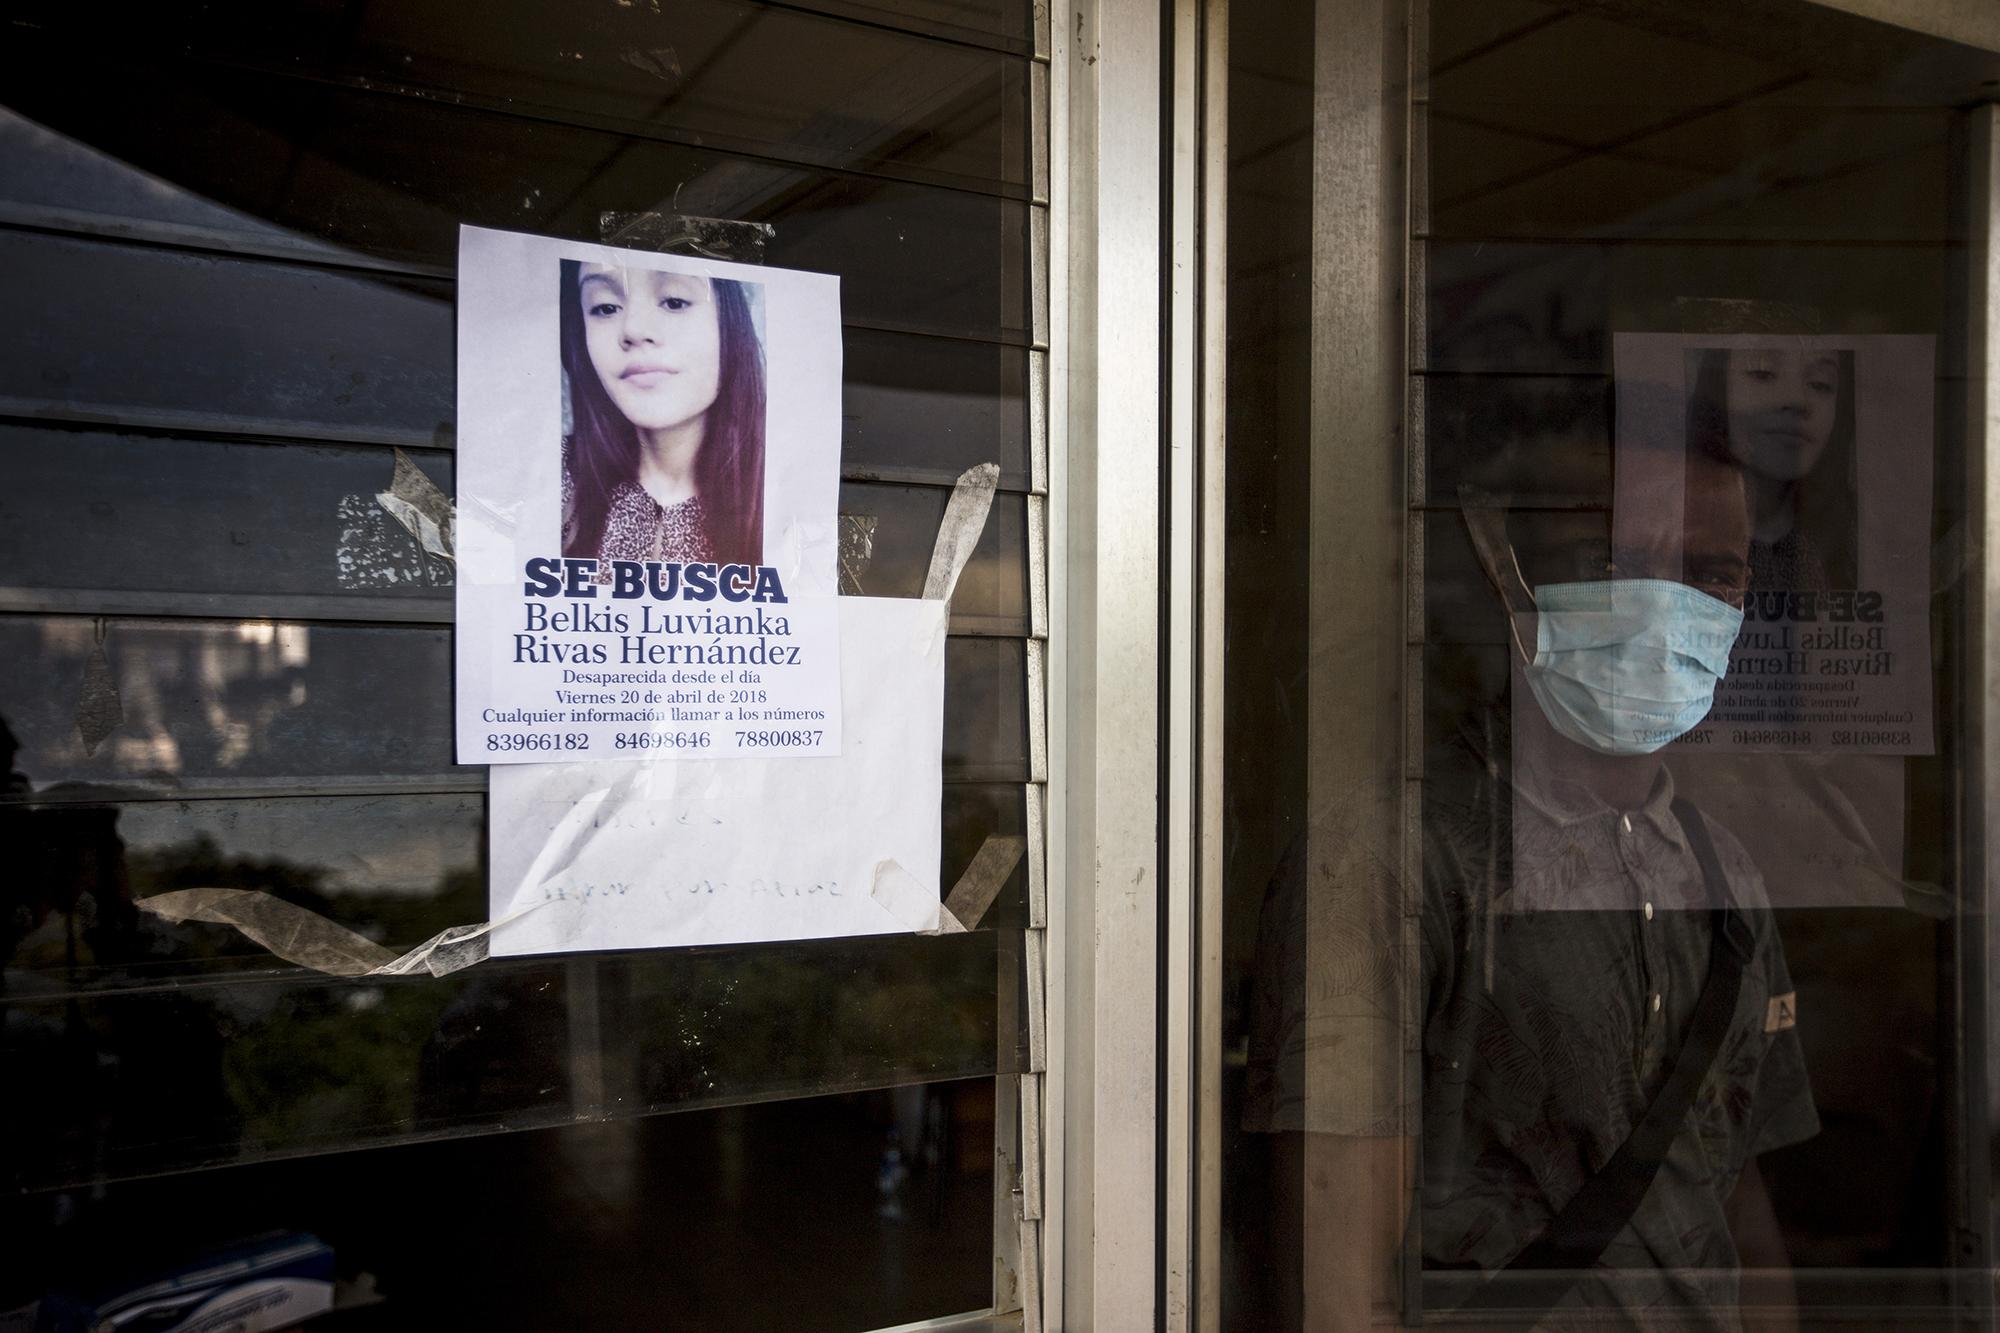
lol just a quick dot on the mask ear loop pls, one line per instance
(1487, 528)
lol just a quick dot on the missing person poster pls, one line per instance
(648, 474)
(1832, 438)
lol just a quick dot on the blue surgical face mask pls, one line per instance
(1625, 666)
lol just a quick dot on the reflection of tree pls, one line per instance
(395, 919)
(116, 1075)
(323, 1064)
(714, 1025)
(200, 861)
(280, 1061)
(163, 1079)
(316, 1062)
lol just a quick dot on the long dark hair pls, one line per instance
(603, 447)
(1825, 507)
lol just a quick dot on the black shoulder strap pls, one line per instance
(1576, 1238)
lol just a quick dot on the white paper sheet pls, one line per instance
(675, 851)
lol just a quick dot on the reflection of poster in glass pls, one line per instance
(648, 472)
(1833, 437)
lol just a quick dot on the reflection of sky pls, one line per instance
(370, 361)
(42, 169)
(40, 166)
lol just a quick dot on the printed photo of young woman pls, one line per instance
(663, 442)
(1785, 414)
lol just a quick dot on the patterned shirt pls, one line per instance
(1792, 563)
(638, 527)
(1563, 945)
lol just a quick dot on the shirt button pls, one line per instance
(1649, 911)
(1656, 1002)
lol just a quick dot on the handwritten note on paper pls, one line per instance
(685, 851)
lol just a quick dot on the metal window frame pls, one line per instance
(1026, 1086)
(1100, 1243)
(1191, 834)
(1978, 871)
(1078, 1208)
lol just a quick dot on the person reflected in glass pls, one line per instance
(664, 459)
(1786, 413)
(1588, 940)
(1575, 973)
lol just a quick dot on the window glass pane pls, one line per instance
(998, 23)
(293, 1062)
(355, 177)
(203, 703)
(222, 665)
(544, 1205)
(373, 363)
(1644, 982)
(396, 868)
(77, 502)
(703, 74)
